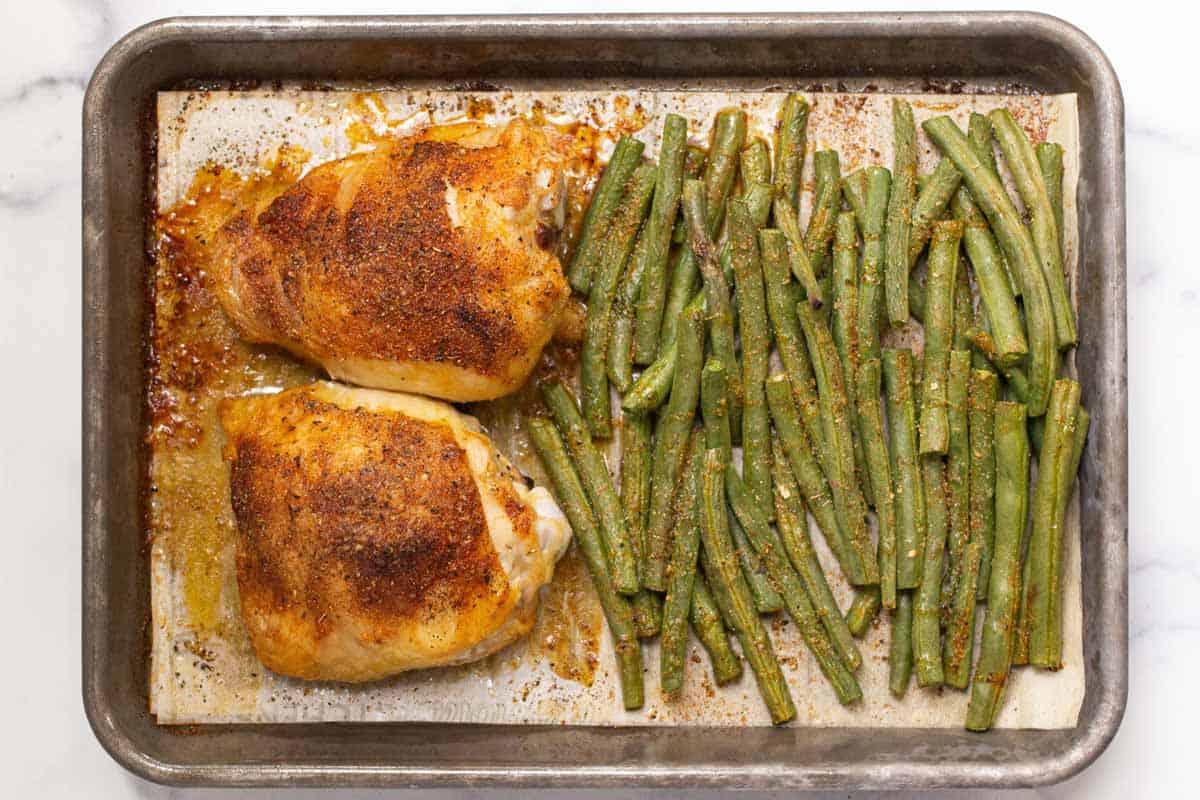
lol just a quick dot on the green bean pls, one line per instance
(854, 189)
(898, 231)
(870, 422)
(918, 373)
(598, 483)
(714, 401)
(790, 143)
(758, 198)
(790, 587)
(793, 533)
(788, 221)
(729, 133)
(635, 492)
(906, 478)
(615, 252)
(982, 475)
(682, 571)
(756, 345)
(1004, 585)
(652, 386)
(1043, 591)
(788, 341)
(733, 596)
(714, 404)
(647, 613)
(766, 599)
(916, 299)
(1020, 652)
(847, 499)
(939, 326)
(992, 277)
(617, 609)
(930, 205)
(685, 277)
(716, 296)
(979, 137)
(685, 273)
(755, 162)
(693, 167)
(706, 621)
(1036, 436)
(672, 155)
(990, 196)
(964, 309)
(979, 360)
(1015, 378)
(900, 649)
(965, 549)
(1027, 175)
(606, 199)
(725, 259)
(864, 607)
(804, 466)
(958, 465)
(845, 332)
(1050, 162)
(927, 641)
(621, 320)
(827, 201)
(863, 610)
(878, 182)
(669, 448)
(1037, 431)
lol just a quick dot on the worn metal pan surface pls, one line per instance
(977, 52)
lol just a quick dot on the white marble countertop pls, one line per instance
(50, 48)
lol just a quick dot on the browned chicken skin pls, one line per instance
(421, 266)
(380, 532)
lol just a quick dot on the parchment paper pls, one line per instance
(212, 675)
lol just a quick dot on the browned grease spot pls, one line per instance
(1034, 117)
(480, 107)
(938, 108)
(196, 358)
(568, 630)
(367, 112)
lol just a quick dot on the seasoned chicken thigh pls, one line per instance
(423, 266)
(380, 532)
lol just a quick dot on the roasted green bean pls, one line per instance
(617, 609)
(1004, 585)
(669, 448)
(898, 231)
(603, 207)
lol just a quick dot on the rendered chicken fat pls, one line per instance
(380, 532)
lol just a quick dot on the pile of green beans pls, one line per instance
(699, 277)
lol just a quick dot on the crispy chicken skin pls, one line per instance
(423, 266)
(380, 532)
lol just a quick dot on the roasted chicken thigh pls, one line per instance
(380, 532)
(424, 266)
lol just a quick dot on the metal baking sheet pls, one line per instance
(203, 668)
(946, 52)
